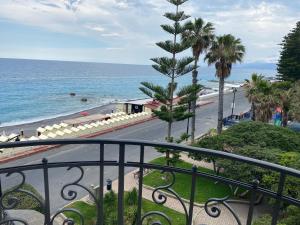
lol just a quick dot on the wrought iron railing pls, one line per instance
(69, 194)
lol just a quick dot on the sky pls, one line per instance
(125, 31)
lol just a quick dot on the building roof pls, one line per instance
(138, 101)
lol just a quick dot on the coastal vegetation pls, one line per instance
(261, 141)
(224, 52)
(289, 62)
(172, 68)
(265, 97)
(89, 211)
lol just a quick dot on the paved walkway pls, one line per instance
(200, 215)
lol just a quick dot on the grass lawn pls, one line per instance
(89, 213)
(205, 188)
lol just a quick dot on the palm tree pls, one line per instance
(264, 100)
(284, 94)
(199, 35)
(225, 51)
(252, 87)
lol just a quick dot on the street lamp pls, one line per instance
(233, 102)
(188, 120)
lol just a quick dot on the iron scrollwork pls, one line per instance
(162, 198)
(9, 202)
(68, 221)
(214, 211)
(69, 194)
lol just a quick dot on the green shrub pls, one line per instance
(25, 201)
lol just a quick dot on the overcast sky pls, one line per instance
(125, 31)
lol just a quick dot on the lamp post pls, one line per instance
(188, 120)
(233, 102)
(109, 184)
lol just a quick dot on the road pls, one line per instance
(154, 130)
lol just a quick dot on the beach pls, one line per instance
(30, 128)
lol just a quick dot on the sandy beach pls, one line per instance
(30, 128)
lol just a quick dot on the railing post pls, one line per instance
(141, 175)
(47, 195)
(276, 208)
(252, 201)
(101, 186)
(192, 198)
(121, 185)
(1, 210)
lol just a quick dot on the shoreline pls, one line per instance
(30, 127)
(50, 117)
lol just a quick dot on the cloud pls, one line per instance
(133, 25)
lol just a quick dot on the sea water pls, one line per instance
(32, 90)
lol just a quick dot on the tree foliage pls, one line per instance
(224, 52)
(264, 142)
(260, 94)
(198, 35)
(289, 62)
(172, 67)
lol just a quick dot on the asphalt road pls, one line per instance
(154, 130)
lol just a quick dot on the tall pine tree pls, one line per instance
(172, 67)
(289, 62)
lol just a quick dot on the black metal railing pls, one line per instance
(69, 194)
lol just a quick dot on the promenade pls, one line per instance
(154, 130)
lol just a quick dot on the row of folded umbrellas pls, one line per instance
(63, 129)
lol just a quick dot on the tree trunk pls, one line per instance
(284, 118)
(253, 111)
(220, 109)
(194, 103)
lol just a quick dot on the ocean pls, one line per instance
(33, 90)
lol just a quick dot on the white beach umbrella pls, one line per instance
(81, 127)
(94, 124)
(33, 138)
(88, 126)
(41, 129)
(12, 136)
(56, 126)
(101, 123)
(74, 129)
(63, 125)
(51, 135)
(43, 137)
(67, 131)
(50, 128)
(59, 133)
(3, 138)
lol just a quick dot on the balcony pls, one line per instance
(71, 189)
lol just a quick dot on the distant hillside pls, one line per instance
(269, 66)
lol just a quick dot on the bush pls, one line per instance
(25, 201)
(265, 142)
